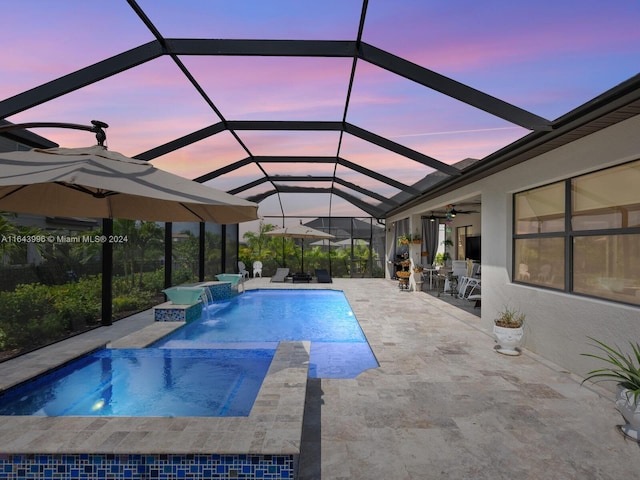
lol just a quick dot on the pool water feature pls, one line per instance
(261, 318)
(184, 295)
(146, 383)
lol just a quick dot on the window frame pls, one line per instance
(569, 235)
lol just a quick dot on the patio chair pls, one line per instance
(469, 288)
(545, 275)
(323, 276)
(459, 268)
(523, 272)
(242, 270)
(257, 269)
(280, 275)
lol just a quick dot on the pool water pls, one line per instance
(261, 318)
(210, 367)
(146, 383)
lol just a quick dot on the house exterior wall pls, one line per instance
(558, 324)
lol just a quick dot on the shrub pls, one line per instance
(32, 300)
(125, 304)
(44, 330)
(78, 302)
(153, 281)
(35, 314)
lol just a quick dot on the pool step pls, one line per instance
(145, 337)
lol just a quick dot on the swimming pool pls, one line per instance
(211, 367)
(146, 383)
(261, 318)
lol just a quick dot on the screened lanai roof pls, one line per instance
(324, 108)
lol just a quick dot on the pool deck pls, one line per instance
(442, 404)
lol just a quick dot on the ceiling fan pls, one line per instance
(450, 212)
(453, 211)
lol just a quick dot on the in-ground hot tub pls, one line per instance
(265, 444)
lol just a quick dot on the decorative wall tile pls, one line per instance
(177, 313)
(160, 467)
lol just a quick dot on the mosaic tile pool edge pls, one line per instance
(140, 466)
(168, 312)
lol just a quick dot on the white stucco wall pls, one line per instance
(558, 324)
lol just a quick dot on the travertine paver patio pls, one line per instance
(442, 404)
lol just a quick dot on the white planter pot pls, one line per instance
(630, 410)
(509, 340)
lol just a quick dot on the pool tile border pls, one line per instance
(161, 467)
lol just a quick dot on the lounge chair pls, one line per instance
(323, 276)
(280, 275)
(301, 277)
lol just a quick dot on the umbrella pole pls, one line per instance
(107, 273)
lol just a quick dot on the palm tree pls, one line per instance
(8, 232)
(140, 241)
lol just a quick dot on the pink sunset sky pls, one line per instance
(547, 57)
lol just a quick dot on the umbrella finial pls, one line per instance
(98, 129)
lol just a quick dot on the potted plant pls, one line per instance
(446, 256)
(416, 238)
(625, 370)
(509, 328)
(404, 239)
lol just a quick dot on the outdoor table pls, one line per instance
(431, 272)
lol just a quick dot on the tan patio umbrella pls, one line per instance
(97, 183)
(357, 242)
(300, 231)
(324, 243)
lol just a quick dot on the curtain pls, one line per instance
(429, 239)
(401, 228)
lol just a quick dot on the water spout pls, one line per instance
(207, 301)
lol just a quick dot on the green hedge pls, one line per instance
(35, 314)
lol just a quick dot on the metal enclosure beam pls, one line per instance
(452, 88)
(80, 78)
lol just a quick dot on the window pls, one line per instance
(582, 235)
(541, 210)
(540, 261)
